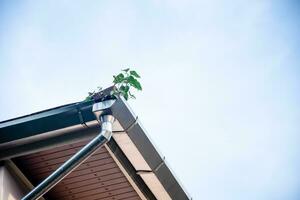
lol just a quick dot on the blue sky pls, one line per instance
(221, 81)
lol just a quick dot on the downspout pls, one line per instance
(103, 113)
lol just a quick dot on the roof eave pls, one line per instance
(80, 125)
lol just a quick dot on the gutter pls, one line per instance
(154, 170)
(49, 129)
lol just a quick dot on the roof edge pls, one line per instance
(58, 131)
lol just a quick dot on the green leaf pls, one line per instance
(133, 73)
(119, 78)
(125, 96)
(124, 88)
(126, 70)
(135, 83)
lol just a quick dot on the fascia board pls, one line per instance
(158, 167)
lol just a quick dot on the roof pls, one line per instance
(52, 132)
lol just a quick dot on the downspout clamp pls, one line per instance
(103, 114)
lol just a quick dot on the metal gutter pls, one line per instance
(42, 122)
(55, 121)
(156, 162)
(49, 128)
(36, 135)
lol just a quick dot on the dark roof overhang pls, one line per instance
(76, 122)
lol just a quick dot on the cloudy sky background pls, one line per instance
(221, 81)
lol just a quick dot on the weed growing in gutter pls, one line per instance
(124, 83)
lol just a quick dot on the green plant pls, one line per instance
(125, 81)
(91, 94)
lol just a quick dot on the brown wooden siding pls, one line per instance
(98, 178)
